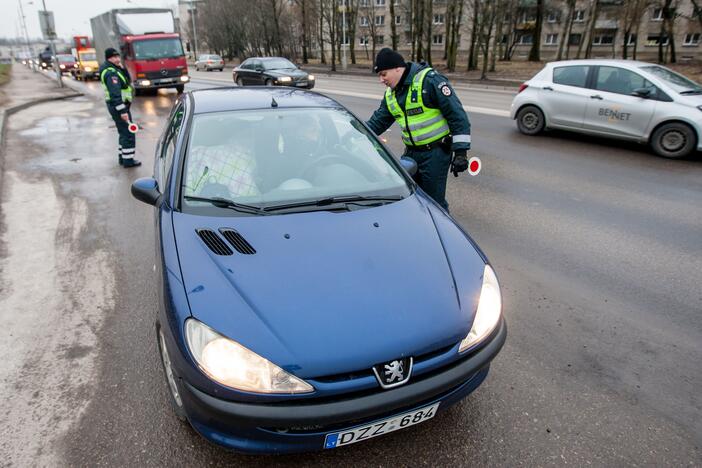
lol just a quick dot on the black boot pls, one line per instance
(121, 160)
(131, 162)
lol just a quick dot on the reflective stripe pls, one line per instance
(426, 123)
(129, 151)
(461, 139)
(439, 131)
(127, 156)
(120, 107)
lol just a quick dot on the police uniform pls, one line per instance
(116, 83)
(433, 122)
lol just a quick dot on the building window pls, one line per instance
(691, 39)
(363, 40)
(439, 19)
(579, 16)
(380, 39)
(396, 2)
(551, 39)
(398, 19)
(380, 2)
(657, 14)
(364, 21)
(364, 3)
(380, 20)
(575, 39)
(603, 39)
(655, 39)
(552, 17)
(526, 39)
(437, 39)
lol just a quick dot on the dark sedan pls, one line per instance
(311, 296)
(271, 71)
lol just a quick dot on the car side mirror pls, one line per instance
(409, 165)
(146, 190)
(642, 92)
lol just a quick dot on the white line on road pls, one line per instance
(469, 109)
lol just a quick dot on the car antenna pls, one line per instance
(274, 103)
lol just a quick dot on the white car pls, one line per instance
(624, 99)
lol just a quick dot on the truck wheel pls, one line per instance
(530, 120)
(138, 92)
(180, 89)
(673, 140)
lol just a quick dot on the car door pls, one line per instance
(613, 110)
(258, 75)
(565, 99)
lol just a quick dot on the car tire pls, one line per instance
(180, 89)
(269, 82)
(197, 68)
(674, 140)
(239, 82)
(174, 397)
(530, 120)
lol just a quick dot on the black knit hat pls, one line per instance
(387, 59)
(110, 52)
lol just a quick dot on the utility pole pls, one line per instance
(192, 17)
(344, 62)
(51, 34)
(26, 38)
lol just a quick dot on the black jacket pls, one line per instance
(114, 85)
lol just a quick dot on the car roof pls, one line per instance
(617, 62)
(238, 98)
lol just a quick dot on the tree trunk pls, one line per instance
(322, 56)
(591, 29)
(473, 36)
(535, 52)
(393, 26)
(303, 5)
(429, 15)
(490, 17)
(498, 35)
(565, 32)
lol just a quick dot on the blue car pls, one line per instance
(311, 296)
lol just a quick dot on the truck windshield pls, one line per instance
(90, 56)
(158, 48)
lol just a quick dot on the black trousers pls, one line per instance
(432, 171)
(127, 140)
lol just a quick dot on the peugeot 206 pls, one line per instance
(310, 295)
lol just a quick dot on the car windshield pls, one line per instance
(65, 58)
(90, 56)
(675, 80)
(158, 48)
(214, 57)
(278, 64)
(273, 157)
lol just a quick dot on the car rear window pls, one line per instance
(575, 75)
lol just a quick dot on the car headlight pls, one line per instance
(88, 69)
(231, 364)
(145, 83)
(62, 66)
(184, 78)
(310, 77)
(284, 79)
(489, 311)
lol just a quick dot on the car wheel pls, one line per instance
(180, 89)
(269, 82)
(673, 140)
(530, 120)
(173, 391)
(197, 68)
(239, 82)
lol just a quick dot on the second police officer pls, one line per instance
(434, 124)
(118, 96)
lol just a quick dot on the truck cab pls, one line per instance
(88, 65)
(155, 61)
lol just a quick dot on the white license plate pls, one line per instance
(301, 83)
(393, 423)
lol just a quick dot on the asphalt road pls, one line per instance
(598, 246)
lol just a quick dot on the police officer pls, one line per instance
(433, 122)
(118, 93)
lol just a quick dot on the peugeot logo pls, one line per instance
(394, 373)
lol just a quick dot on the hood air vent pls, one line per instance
(214, 242)
(238, 241)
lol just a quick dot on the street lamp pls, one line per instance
(192, 9)
(26, 35)
(50, 33)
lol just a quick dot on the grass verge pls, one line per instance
(5, 73)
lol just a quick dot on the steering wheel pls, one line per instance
(321, 161)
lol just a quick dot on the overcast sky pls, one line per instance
(72, 17)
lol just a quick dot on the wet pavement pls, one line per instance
(597, 245)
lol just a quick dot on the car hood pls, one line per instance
(329, 292)
(296, 74)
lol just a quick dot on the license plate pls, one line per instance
(301, 83)
(393, 423)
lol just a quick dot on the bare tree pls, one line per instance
(487, 24)
(429, 17)
(393, 26)
(567, 28)
(535, 52)
(475, 11)
(631, 14)
(667, 33)
(592, 13)
(453, 29)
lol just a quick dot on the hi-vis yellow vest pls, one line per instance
(420, 125)
(126, 93)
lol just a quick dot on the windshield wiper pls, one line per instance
(347, 199)
(225, 203)
(691, 91)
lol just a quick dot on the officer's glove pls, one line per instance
(459, 163)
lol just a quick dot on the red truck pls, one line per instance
(151, 49)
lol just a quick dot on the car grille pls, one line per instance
(155, 75)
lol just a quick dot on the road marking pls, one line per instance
(469, 109)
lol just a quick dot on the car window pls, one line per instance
(270, 156)
(278, 64)
(619, 80)
(257, 65)
(675, 80)
(571, 75)
(169, 142)
(215, 57)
